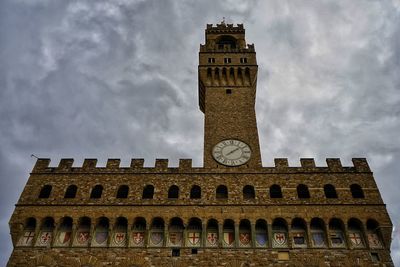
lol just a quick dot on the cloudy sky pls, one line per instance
(118, 79)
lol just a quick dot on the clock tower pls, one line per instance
(227, 91)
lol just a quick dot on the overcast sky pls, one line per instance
(118, 79)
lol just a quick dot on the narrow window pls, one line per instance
(356, 191)
(330, 191)
(275, 191)
(302, 191)
(211, 60)
(148, 192)
(222, 192)
(248, 192)
(227, 60)
(195, 192)
(96, 191)
(176, 252)
(71, 191)
(228, 91)
(243, 60)
(173, 192)
(123, 191)
(45, 191)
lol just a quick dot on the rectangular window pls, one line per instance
(243, 60)
(211, 60)
(228, 91)
(176, 252)
(227, 60)
(194, 250)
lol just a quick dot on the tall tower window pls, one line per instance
(96, 191)
(356, 191)
(330, 191)
(211, 60)
(45, 191)
(248, 192)
(243, 60)
(148, 192)
(222, 192)
(173, 192)
(302, 191)
(227, 60)
(123, 191)
(71, 191)
(195, 192)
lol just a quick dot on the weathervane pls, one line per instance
(223, 21)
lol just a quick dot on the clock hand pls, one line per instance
(236, 149)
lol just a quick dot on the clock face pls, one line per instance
(231, 152)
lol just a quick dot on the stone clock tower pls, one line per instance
(227, 91)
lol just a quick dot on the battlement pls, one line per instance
(307, 165)
(225, 28)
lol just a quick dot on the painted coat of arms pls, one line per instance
(374, 241)
(261, 239)
(175, 238)
(212, 239)
(229, 238)
(355, 238)
(318, 239)
(279, 239)
(64, 237)
(138, 238)
(119, 238)
(27, 238)
(45, 238)
(244, 239)
(82, 237)
(156, 238)
(194, 238)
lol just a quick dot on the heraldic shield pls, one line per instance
(100, 239)
(194, 239)
(119, 239)
(212, 239)
(261, 239)
(356, 240)
(26, 239)
(279, 239)
(138, 239)
(44, 239)
(229, 238)
(156, 238)
(245, 239)
(318, 239)
(374, 241)
(64, 237)
(175, 238)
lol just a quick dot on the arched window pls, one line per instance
(101, 232)
(71, 191)
(157, 232)
(46, 232)
(356, 233)
(64, 232)
(275, 191)
(96, 191)
(356, 191)
(195, 192)
(228, 231)
(45, 191)
(173, 192)
(123, 191)
(261, 233)
(298, 231)
(279, 233)
(336, 233)
(194, 231)
(318, 235)
(82, 236)
(28, 234)
(374, 234)
(139, 230)
(212, 233)
(248, 192)
(119, 236)
(302, 191)
(222, 192)
(330, 191)
(175, 229)
(244, 233)
(226, 41)
(148, 192)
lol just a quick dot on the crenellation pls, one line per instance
(308, 163)
(334, 164)
(137, 163)
(113, 164)
(281, 163)
(185, 164)
(161, 164)
(361, 164)
(89, 164)
(41, 164)
(65, 164)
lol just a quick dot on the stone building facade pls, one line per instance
(230, 212)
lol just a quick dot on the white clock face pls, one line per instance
(231, 152)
